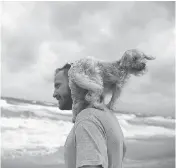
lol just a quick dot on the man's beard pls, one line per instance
(67, 103)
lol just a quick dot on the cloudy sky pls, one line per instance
(38, 37)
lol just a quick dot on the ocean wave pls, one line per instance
(16, 101)
(146, 121)
(33, 108)
(53, 113)
(125, 116)
(161, 119)
(40, 114)
(50, 109)
(27, 126)
(23, 133)
(3, 103)
(144, 131)
(33, 133)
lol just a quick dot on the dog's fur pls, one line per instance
(88, 77)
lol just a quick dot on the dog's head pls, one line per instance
(134, 61)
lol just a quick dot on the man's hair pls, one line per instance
(65, 68)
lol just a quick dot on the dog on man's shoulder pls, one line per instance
(88, 77)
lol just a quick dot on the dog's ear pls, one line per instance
(149, 57)
(123, 61)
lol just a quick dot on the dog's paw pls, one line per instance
(113, 108)
(110, 106)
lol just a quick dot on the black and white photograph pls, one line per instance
(88, 84)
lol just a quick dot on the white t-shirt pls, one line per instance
(95, 139)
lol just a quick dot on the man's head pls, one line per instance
(62, 91)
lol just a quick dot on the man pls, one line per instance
(96, 139)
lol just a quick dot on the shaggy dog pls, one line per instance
(88, 77)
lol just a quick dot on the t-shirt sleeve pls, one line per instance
(91, 148)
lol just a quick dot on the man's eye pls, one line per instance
(58, 85)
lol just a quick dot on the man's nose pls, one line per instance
(54, 94)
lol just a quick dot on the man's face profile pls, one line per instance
(62, 91)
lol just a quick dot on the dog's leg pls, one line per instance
(85, 82)
(96, 100)
(115, 95)
(95, 89)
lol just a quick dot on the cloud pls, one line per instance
(22, 34)
(52, 55)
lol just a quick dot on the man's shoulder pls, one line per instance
(88, 113)
(105, 121)
(95, 115)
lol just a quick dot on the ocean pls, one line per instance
(33, 134)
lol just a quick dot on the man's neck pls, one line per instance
(82, 105)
